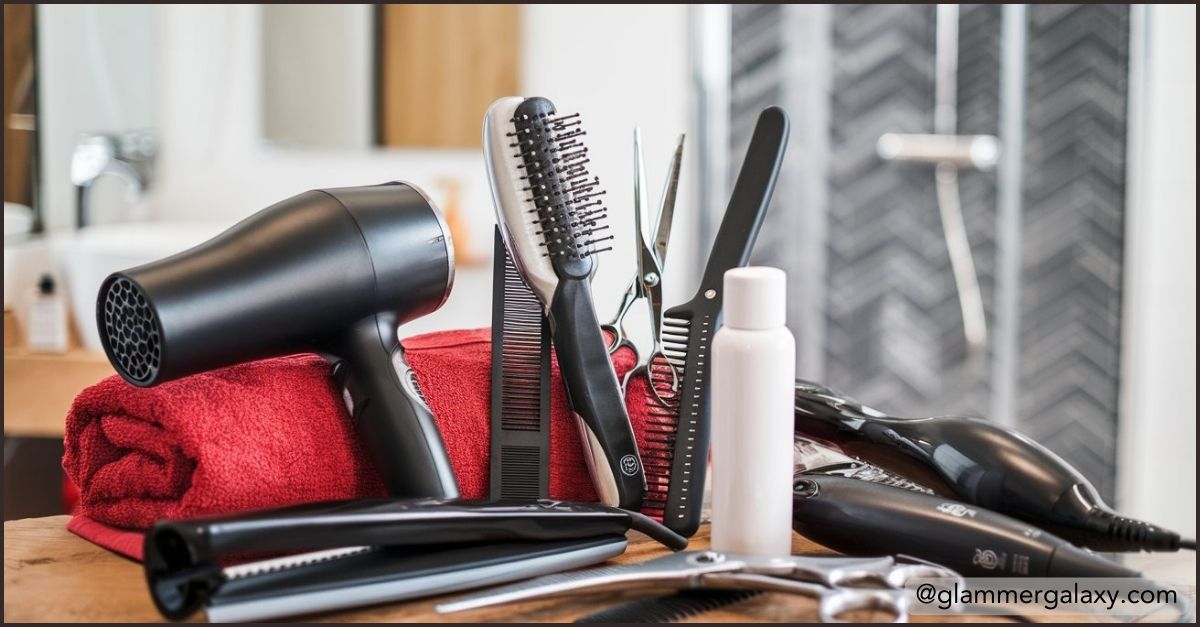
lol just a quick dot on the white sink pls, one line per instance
(83, 259)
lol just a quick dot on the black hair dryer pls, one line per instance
(333, 271)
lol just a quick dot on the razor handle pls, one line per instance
(595, 396)
(393, 420)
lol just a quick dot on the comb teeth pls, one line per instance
(520, 411)
(522, 468)
(673, 455)
(521, 358)
(658, 459)
(565, 197)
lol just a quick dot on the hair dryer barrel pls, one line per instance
(334, 271)
(288, 279)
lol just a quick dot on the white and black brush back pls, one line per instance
(551, 216)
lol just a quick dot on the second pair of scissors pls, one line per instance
(840, 584)
(651, 257)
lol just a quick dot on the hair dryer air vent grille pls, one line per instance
(131, 331)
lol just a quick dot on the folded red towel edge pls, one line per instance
(124, 542)
(128, 542)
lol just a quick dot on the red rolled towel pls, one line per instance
(273, 433)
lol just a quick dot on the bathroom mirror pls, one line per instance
(20, 121)
(361, 76)
(95, 77)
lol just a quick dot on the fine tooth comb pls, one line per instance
(551, 218)
(679, 426)
(520, 436)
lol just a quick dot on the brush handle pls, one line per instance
(392, 418)
(595, 396)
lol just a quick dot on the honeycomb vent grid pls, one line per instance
(131, 331)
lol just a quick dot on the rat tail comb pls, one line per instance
(677, 438)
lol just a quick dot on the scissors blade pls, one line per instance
(647, 263)
(592, 579)
(838, 571)
(666, 208)
(832, 602)
(678, 570)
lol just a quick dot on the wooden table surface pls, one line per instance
(52, 575)
(39, 388)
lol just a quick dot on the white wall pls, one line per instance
(318, 73)
(621, 66)
(627, 66)
(91, 78)
(1157, 463)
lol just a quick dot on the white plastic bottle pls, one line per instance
(753, 378)
(47, 318)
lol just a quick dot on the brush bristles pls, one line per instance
(565, 197)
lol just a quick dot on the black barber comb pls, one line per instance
(679, 428)
(520, 403)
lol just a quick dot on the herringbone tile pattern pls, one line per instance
(892, 327)
(892, 313)
(1073, 233)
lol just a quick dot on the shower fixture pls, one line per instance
(950, 152)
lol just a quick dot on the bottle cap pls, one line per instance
(46, 285)
(755, 298)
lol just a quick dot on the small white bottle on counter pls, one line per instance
(753, 381)
(48, 318)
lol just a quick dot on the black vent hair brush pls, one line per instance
(551, 217)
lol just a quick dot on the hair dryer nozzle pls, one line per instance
(129, 329)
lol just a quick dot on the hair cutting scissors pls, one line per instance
(647, 283)
(839, 584)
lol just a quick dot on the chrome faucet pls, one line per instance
(128, 156)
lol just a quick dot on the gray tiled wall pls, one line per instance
(873, 298)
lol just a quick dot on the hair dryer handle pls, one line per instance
(389, 412)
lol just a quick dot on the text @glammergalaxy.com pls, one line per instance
(1034, 596)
